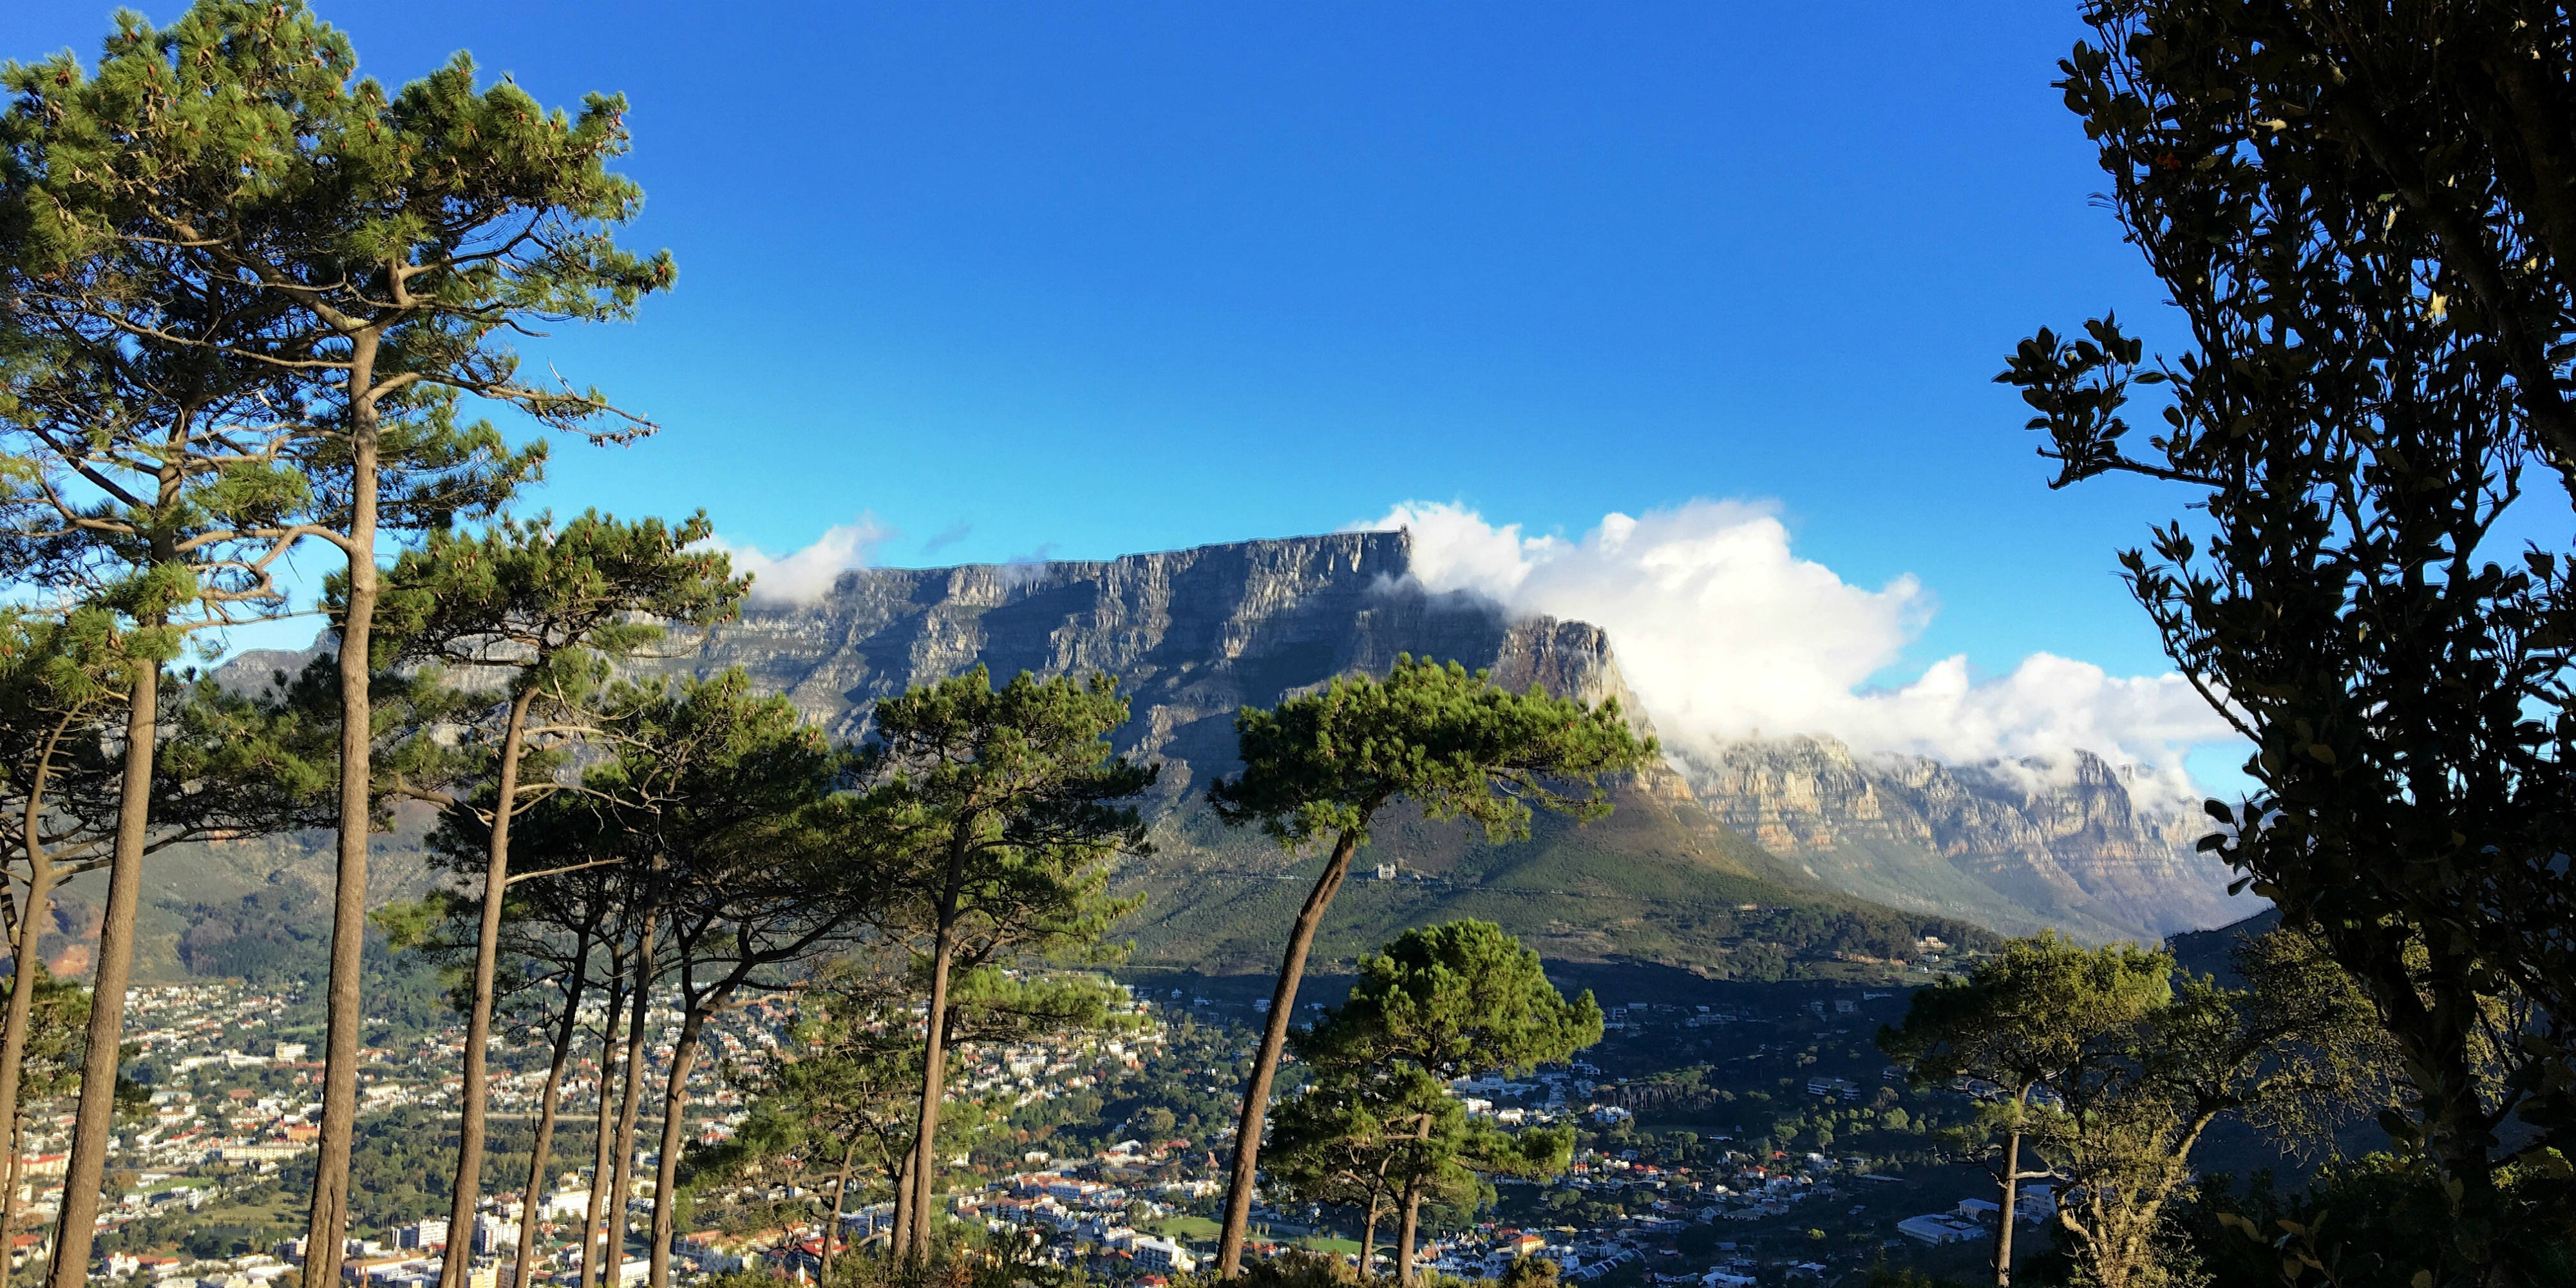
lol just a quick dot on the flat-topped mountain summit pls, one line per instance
(1193, 635)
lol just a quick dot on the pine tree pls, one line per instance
(225, 766)
(1322, 766)
(381, 249)
(2030, 1019)
(1437, 1004)
(713, 792)
(547, 609)
(998, 810)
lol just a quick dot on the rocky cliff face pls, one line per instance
(1193, 635)
(2015, 847)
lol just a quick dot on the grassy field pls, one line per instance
(1185, 1228)
(1329, 1245)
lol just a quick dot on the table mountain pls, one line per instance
(1193, 635)
(1675, 875)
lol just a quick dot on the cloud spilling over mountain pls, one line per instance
(803, 576)
(1726, 634)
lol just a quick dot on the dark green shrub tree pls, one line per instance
(2362, 214)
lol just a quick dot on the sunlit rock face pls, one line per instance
(1192, 635)
(2015, 846)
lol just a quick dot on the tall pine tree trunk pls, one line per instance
(2011, 1184)
(29, 971)
(840, 1200)
(605, 1142)
(631, 1098)
(329, 1218)
(1265, 1066)
(1368, 1234)
(666, 1166)
(95, 1124)
(467, 1191)
(539, 1155)
(17, 1177)
(915, 1236)
(1405, 1236)
(899, 1234)
(934, 1088)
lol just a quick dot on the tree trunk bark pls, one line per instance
(2459, 1129)
(539, 1154)
(840, 1199)
(29, 972)
(899, 1235)
(1368, 1236)
(934, 1087)
(605, 1142)
(91, 1130)
(467, 1192)
(934, 1051)
(1265, 1066)
(1406, 1235)
(329, 1220)
(9, 1215)
(630, 1099)
(666, 1167)
(2010, 1183)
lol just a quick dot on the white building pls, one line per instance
(1937, 1229)
(1163, 1257)
(492, 1233)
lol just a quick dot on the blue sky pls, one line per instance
(1077, 280)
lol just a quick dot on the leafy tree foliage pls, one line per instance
(2363, 1222)
(999, 810)
(2361, 213)
(2032, 1019)
(1378, 1124)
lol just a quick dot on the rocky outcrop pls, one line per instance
(2013, 846)
(1193, 636)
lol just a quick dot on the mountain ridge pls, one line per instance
(2016, 847)
(1716, 872)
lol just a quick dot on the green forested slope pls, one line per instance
(1651, 883)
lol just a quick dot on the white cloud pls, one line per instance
(1725, 633)
(803, 576)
